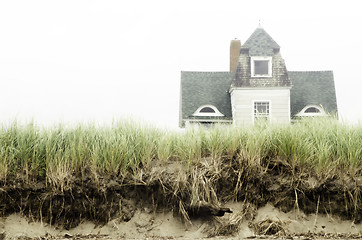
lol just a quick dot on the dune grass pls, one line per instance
(126, 146)
(190, 167)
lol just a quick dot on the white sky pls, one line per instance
(81, 61)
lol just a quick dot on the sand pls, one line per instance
(163, 225)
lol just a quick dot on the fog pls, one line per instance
(97, 61)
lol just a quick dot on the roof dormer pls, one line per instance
(260, 63)
(208, 111)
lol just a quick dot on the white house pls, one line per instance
(258, 86)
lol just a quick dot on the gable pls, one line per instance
(312, 88)
(204, 88)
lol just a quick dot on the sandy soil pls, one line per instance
(163, 225)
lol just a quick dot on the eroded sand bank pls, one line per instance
(163, 225)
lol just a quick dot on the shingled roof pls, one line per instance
(205, 88)
(312, 88)
(260, 43)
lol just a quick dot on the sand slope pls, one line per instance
(163, 225)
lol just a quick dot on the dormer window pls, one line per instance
(311, 111)
(261, 66)
(208, 111)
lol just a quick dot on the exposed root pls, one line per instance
(204, 209)
(269, 227)
(230, 224)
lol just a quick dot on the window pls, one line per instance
(208, 111)
(261, 110)
(261, 66)
(311, 111)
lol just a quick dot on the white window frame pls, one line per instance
(302, 113)
(252, 64)
(262, 101)
(216, 112)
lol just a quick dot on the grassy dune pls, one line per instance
(312, 164)
(322, 144)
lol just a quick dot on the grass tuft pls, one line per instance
(324, 145)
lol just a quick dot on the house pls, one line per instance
(258, 86)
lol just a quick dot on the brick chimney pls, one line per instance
(235, 46)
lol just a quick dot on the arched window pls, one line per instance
(208, 110)
(311, 111)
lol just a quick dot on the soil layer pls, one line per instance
(98, 198)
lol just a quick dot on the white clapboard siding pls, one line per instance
(242, 100)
